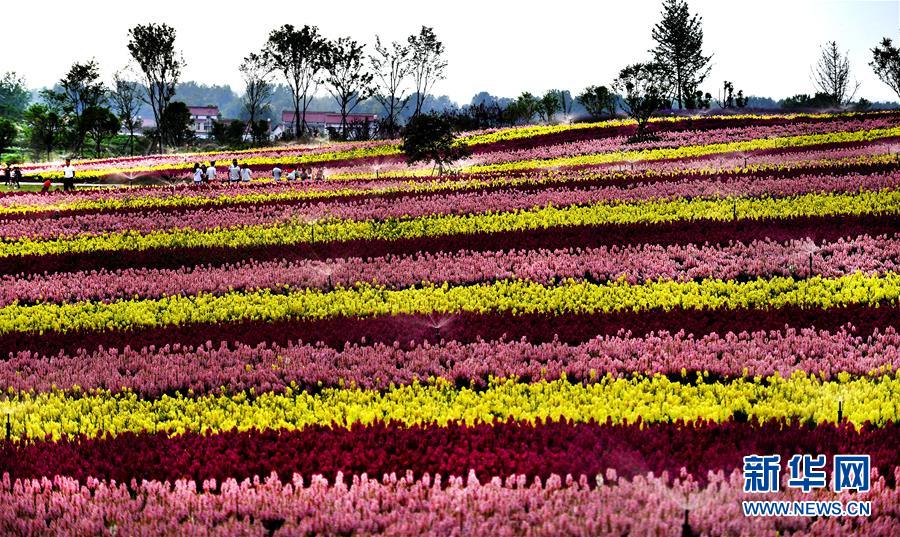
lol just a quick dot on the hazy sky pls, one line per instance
(765, 46)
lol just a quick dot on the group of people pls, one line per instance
(12, 176)
(236, 173)
(301, 174)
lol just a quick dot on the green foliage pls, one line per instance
(427, 63)
(549, 106)
(13, 96)
(176, 123)
(230, 134)
(644, 89)
(44, 123)
(257, 92)
(7, 135)
(100, 124)
(598, 101)
(80, 90)
(886, 64)
(803, 101)
(430, 138)
(679, 51)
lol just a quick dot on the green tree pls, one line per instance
(430, 138)
(176, 122)
(44, 124)
(7, 135)
(427, 63)
(300, 56)
(80, 89)
(13, 96)
(598, 101)
(550, 105)
(679, 50)
(644, 89)
(152, 46)
(229, 134)
(886, 64)
(100, 124)
(347, 79)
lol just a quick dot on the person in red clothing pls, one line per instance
(46, 188)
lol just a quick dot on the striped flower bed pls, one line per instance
(551, 343)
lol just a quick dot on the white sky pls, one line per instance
(765, 46)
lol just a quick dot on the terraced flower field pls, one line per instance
(573, 335)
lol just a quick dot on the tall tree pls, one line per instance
(80, 89)
(347, 79)
(427, 63)
(177, 124)
(44, 123)
(598, 101)
(391, 65)
(126, 100)
(831, 75)
(644, 89)
(679, 50)
(258, 90)
(152, 46)
(300, 56)
(886, 64)
(13, 96)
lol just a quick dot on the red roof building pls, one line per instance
(321, 122)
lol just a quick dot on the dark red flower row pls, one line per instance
(499, 449)
(408, 330)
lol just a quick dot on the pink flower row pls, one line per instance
(635, 263)
(457, 203)
(407, 505)
(267, 367)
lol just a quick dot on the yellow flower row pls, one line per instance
(651, 399)
(644, 212)
(516, 133)
(509, 296)
(695, 150)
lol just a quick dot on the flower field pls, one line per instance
(574, 335)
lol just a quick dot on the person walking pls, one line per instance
(17, 176)
(7, 175)
(68, 176)
(211, 172)
(246, 174)
(234, 172)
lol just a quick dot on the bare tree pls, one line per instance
(391, 66)
(831, 75)
(258, 90)
(152, 46)
(428, 63)
(347, 80)
(126, 100)
(300, 56)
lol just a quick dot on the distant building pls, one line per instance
(321, 122)
(202, 118)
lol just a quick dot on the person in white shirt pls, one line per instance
(198, 174)
(276, 173)
(211, 171)
(234, 172)
(68, 176)
(292, 175)
(245, 173)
